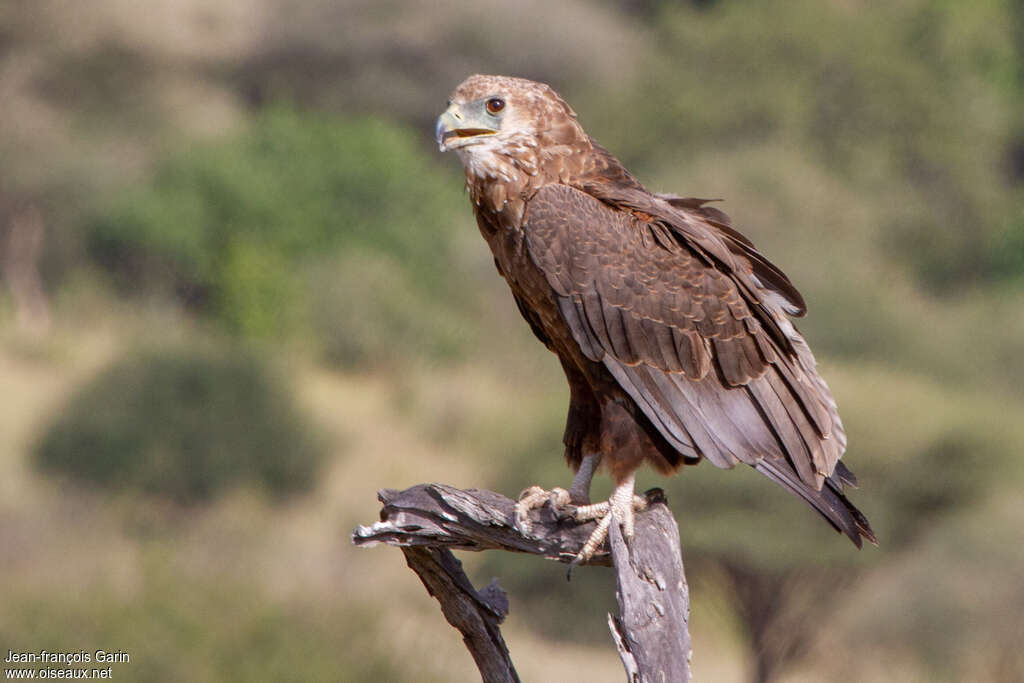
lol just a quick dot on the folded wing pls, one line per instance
(691, 321)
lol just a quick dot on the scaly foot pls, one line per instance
(534, 498)
(621, 507)
(578, 494)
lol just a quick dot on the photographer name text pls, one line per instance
(80, 657)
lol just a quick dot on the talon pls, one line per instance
(595, 540)
(567, 513)
(559, 498)
(619, 507)
(530, 492)
(535, 498)
(531, 498)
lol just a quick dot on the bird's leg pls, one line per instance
(619, 507)
(578, 493)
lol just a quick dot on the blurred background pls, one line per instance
(242, 291)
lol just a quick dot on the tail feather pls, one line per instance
(829, 501)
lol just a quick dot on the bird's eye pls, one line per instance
(495, 104)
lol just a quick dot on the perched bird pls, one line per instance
(673, 330)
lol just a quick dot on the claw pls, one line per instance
(565, 513)
(529, 499)
(595, 540)
(534, 498)
(620, 507)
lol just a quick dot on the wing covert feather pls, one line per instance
(685, 337)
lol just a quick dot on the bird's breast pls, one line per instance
(526, 280)
(504, 235)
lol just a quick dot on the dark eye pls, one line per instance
(495, 104)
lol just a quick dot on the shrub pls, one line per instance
(367, 310)
(228, 227)
(918, 98)
(185, 424)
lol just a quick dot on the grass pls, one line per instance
(148, 572)
(244, 588)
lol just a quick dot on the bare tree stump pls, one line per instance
(651, 631)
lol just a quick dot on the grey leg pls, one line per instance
(578, 493)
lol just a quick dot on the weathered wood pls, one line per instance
(476, 615)
(442, 516)
(651, 631)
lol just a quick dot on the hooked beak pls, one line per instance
(454, 129)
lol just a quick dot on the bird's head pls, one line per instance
(501, 114)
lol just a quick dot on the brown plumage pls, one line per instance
(672, 329)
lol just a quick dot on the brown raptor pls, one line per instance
(673, 330)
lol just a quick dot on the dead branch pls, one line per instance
(651, 631)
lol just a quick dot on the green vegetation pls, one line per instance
(181, 628)
(187, 424)
(367, 309)
(230, 228)
(919, 94)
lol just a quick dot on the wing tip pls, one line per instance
(829, 502)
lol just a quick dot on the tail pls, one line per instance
(829, 501)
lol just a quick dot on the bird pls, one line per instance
(673, 330)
